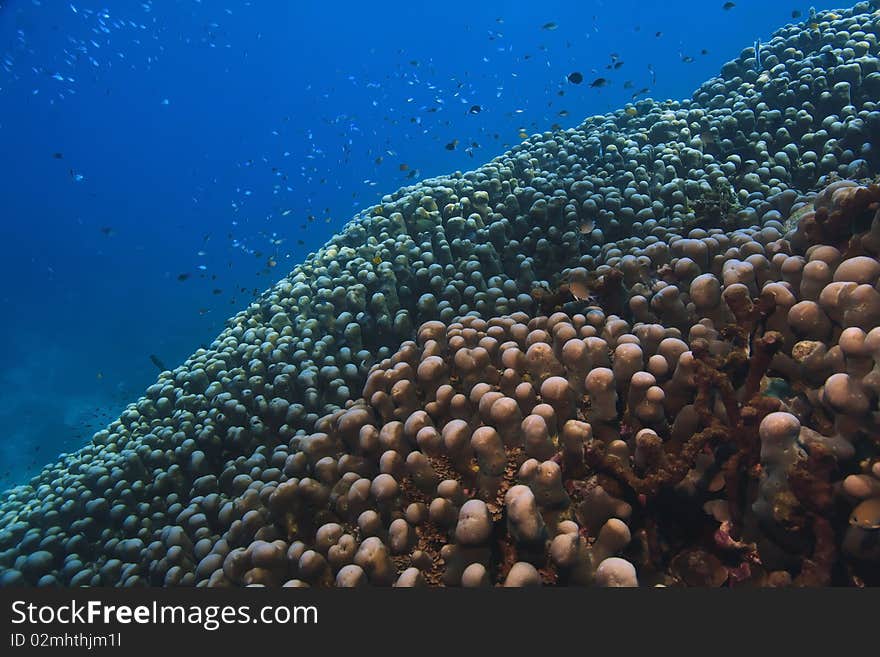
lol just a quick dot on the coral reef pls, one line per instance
(646, 354)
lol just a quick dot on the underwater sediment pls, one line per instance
(640, 351)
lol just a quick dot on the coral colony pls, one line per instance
(644, 351)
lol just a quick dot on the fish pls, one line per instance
(759, 65)
(403, 166)
(579, 290)
(549, 26)
(451, 145)
(182, 277)
(687, 59)
(598, 83)
(154, 359)
(107, 230)
(796, 13)
(377, 260)
(575, 77)
(728, 6)
(58, 156)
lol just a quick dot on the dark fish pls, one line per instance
(728, 5)
(217, 290)
(549, 26)
(796, 13)
(475, 109)
(598, 83)
(687, 59)
(58, 156)
(576, 77)
(451, 145)
(403, 167)
(658, 34)
(107, 230)
(154, 359)
(562, 113)
(182, 277)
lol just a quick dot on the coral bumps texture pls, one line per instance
(639, 352)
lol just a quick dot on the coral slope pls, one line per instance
(647, 354)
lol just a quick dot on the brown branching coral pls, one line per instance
(673, 470)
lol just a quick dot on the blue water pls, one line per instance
(161, 160)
